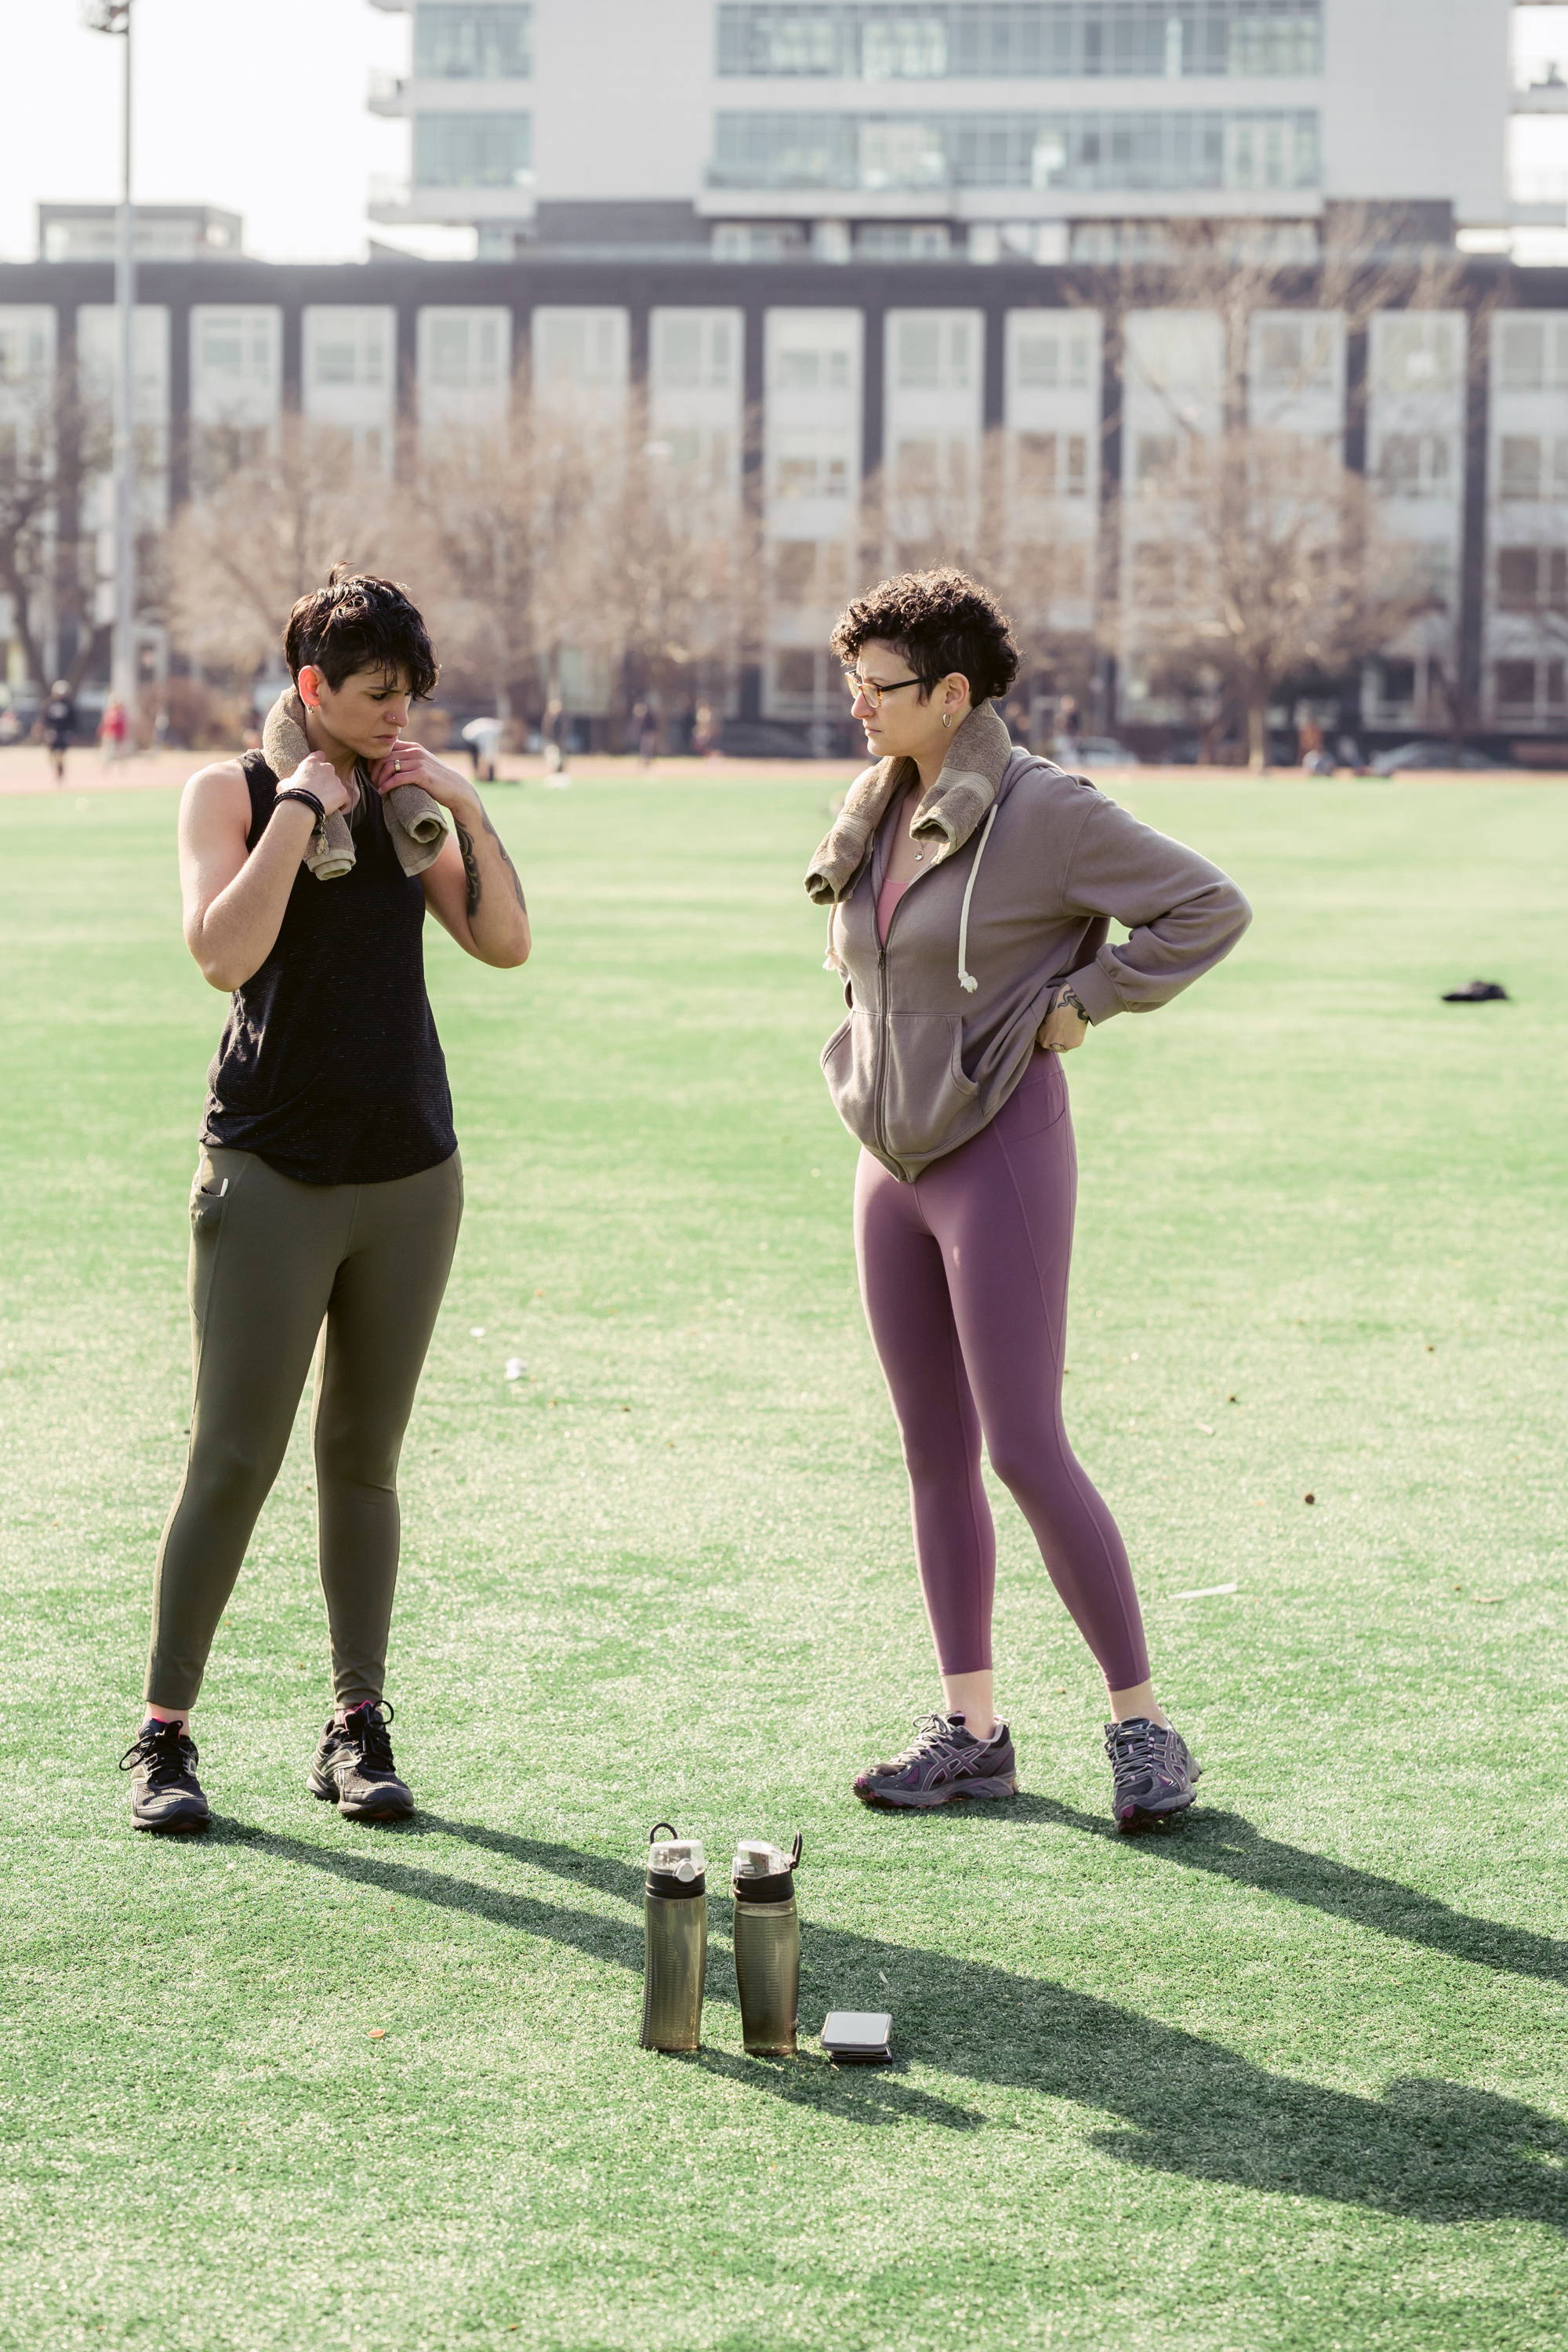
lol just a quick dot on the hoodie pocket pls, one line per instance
(923, 1085)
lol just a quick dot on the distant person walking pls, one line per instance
(327, 1188)
(58, 720)
(112, 728)
(971, 890)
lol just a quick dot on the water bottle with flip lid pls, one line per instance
(675, 1941)
(767, 1946)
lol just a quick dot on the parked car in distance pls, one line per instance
(1104, 751)
(1455, 757)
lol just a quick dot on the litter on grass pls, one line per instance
(514, 1367)
(1202, 1592)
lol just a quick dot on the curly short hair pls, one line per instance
(358, 622)
(939, 621)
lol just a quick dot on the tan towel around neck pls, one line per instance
(948, 813)
(414, 820)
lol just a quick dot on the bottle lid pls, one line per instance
(680, 1858)
(755, 1858)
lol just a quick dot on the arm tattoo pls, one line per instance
(505, 860)
(1070, 996)
(470, 865)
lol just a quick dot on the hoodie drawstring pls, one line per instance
(966, 979)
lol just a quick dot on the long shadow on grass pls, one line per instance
(1431, 2151)
(1229, 1846)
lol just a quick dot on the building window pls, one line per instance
(581, 349)
(1053, 465)
(1534, 466)
(473, 150)
(871, 40)
(1415, 465)
(695, 350)
(903, 241)
(758, 240)
(1414, 355)
(798, 369)
(1532, 355)
(464, 350)
(478, 40)
(934, 354)
(1533, 580)
(348, 349)
(1053, 359)
(234, 356)
(805, 473)
(1206, 148)
(1526, 692)
(1294, 355)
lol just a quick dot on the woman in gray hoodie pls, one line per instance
(971, 890)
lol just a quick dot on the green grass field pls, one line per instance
(1296, 2077)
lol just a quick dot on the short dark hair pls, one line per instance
(358, 622)
(939, 621)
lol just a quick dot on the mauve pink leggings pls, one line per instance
(964, 1277)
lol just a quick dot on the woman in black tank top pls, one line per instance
(329, 1188)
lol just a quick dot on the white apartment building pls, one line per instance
(922, 128)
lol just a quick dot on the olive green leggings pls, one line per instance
(272, 1261)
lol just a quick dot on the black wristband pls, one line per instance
(301, 793)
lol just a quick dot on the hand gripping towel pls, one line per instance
(414, 820)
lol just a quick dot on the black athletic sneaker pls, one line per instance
(354, 1768)
(165, 1793)
(943, 1760)
(1153, 1772)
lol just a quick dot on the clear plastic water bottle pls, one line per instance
(675, 1941)
(767, 1946)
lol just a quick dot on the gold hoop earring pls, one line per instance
(947, 718)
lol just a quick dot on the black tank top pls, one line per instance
(329, 1068)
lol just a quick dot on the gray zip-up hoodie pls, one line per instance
(1031, 865)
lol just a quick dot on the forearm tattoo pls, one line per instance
(470, 867)
(471, 864)
(1070, 996)
(500, 847)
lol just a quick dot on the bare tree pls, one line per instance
(261, 534)
(507, 530)
(1263, 563)
(51, 445)
(682, 590)
(1246, 552)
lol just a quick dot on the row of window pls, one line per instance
(1205, 148)
(351, 351)
(473, 150)
(915, 40)
(473, 40)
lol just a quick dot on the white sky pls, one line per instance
(255, 105)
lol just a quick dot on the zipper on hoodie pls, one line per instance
(879, 1092)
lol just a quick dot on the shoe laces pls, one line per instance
(366, 1727)
(166, 1749)
(932, 1731)
(1133, 1746)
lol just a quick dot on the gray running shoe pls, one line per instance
(165, 1793)
(943, 1760)
(1152, 1771)
(354, 1768)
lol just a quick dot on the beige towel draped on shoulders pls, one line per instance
(414, 820)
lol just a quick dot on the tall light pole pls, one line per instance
(114, 16)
